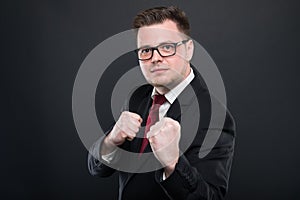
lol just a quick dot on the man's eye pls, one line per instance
(145, 51)
(167, 47)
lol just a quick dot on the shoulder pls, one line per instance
(206, 101)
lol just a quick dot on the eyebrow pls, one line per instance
(147, 46)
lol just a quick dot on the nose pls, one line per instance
(156, 57)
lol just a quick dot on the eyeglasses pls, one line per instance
(164, 50)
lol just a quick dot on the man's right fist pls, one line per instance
(126, 127)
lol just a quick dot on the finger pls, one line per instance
(129, 138)
(135, 123)
(168, 121)
(126, 131)
(131, 117)
(157, 126)
(128, 126)
(151, 142)
(129, 132)
(123, 134)
(152, 133)
(135, 116)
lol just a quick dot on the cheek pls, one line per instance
(176, 63)
(144, 70)
(182, 54)
(144, 64)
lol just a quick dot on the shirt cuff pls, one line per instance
(109, 157)
(164, 176)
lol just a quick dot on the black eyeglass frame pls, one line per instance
(176, 44)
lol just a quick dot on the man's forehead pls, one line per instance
(159, 30)
(154, 36)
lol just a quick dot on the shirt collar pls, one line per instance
(174, 93)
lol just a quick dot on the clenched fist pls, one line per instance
(126, 127)
(164, 139)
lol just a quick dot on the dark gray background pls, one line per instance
(254, 43)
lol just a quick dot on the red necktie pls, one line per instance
(153, 117)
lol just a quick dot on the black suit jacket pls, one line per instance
(194, 177)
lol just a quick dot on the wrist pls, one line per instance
(170, 169)
(108, 146)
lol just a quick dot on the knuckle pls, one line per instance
(164, 120)
(133, 135)
(149, 134)
(176, 124)
(153, 140)
(162, 129)
(136, 129)
(168, 119)
(168, 126)
(152, 127)
(128, 131)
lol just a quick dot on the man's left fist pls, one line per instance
(164, 139)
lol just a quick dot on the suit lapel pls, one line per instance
(182, 103)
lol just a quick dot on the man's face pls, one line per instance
(165, 72)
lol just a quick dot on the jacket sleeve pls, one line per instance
(202, 178)
(96, 165)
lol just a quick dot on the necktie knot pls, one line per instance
(159, 99)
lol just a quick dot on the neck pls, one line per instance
(162, 90)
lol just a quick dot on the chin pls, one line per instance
(161, 84)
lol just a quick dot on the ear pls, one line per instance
(190, 49)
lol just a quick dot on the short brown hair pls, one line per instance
(158, 15)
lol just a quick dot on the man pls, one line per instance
(164, 53)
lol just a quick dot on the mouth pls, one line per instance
(158, 70)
